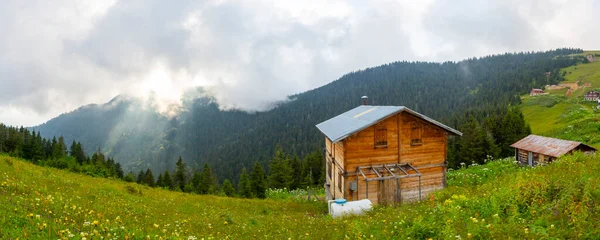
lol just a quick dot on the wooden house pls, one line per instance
(537, 150)
(590, 57)
(386, 154)
(536, 91)
(591, 96)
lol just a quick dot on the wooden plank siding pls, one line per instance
(335, 155)
(359, 150)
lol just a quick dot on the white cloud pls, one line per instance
(60, 55)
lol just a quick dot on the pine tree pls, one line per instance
(308, 180)
(140, 177)
(77, 152)
(258, 181)
(208, 181)
(476, 144)
(119, 171)
(244, 186)
(228, 188)
(315, 165)
(297, 177)
(37, 148)
(149, 178)
(180, 174)
(159, 181)
(196, 180)
(280, 173)
(167, 181)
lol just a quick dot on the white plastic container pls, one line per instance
(339, 209)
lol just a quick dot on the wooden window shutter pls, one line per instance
(416, 133)
(380, 136)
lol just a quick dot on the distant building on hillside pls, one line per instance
(537, 150)
(590, 57)
(537, 91)
(386, 154)
(591, 96)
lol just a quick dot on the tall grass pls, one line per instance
(494, 200)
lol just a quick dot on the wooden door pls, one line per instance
(388, 192)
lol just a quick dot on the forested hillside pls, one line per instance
(459, 94)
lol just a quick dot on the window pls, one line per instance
(415, 134)
(380, 137)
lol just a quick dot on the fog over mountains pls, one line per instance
(135, 134)
(249, 54)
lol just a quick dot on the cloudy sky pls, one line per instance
(58, 55)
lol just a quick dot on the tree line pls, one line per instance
(284, 172)
(29, 145)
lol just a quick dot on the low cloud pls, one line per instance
(248, 54)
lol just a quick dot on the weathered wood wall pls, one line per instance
(523, 157)
(335, 155)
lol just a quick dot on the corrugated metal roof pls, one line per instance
(545, 145)
(361, 117)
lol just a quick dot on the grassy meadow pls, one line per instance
(495, 200)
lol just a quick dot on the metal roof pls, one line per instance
(548, 146)
(364, 116)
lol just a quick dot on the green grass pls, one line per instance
(560, 92)
(542, 119)
(583, 72)
(495, 200)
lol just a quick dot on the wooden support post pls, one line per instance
(419, 188)
(398, 194)
(367, 194)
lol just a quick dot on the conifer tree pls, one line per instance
(167, 181)
(476, 144)
(119, 171)
(280, 172)
(228, 188)
(258, 181)
(208, 181)
(196, 180)
(180, 174)
(244, 186)
(315, 165)
(308, 180)
(37, 148)
(77, 152)
(297, 177)
(140, 177)
(159, 181)
(149, 178)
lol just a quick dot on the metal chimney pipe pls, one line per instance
(364, 100)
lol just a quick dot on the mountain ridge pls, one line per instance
(233, 139)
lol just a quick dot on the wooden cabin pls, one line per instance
(536, 92)
(537, 150)
(591, 96)
(386, 154)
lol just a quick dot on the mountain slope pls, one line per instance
(230, 140)
(568, 116)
